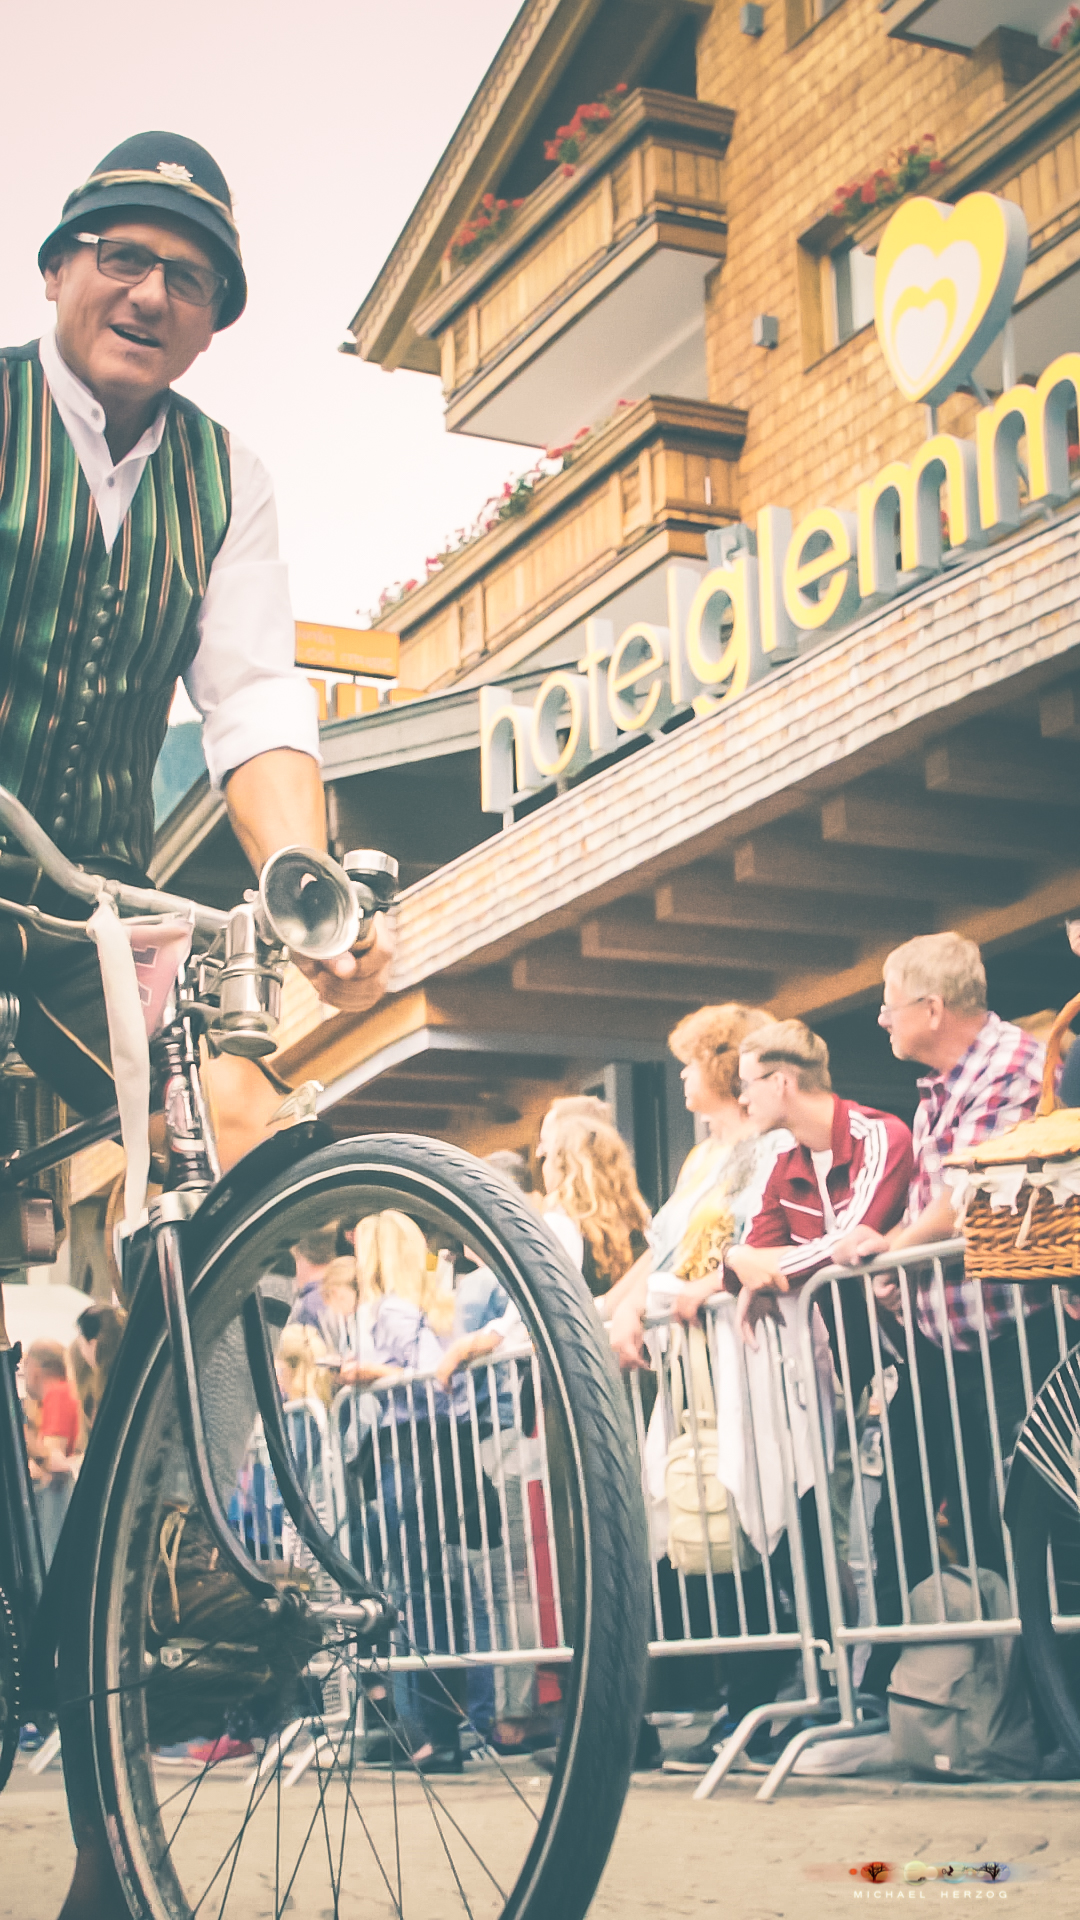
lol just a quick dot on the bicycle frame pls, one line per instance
(199, 1204)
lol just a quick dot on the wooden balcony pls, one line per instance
(596, 291)
(646, 488)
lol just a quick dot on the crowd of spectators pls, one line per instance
(439, 1438)
(787, 1177)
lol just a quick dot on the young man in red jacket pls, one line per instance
(850, 1167)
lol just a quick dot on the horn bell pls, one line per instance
(308, 903)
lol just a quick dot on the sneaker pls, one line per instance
(649, 1754)
(31, 1738)
(210, 1753)
(700, 1758)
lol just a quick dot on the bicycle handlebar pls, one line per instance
(82, 886)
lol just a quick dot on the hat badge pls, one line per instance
(173, 170)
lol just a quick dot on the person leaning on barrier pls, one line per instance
(986, 1076)
(138, 544)
(850, 1167)
(733, 1160)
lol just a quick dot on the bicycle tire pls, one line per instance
(1040, 1518)
(115, 1804)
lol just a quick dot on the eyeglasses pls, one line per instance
(885, 1014)
(131, 264)
(745, 1085)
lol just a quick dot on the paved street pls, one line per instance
(676, 1858)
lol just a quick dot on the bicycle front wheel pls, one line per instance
(224, 1762)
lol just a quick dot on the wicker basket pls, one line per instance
(1036, 1235)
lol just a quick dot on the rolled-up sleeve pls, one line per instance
(243, 679)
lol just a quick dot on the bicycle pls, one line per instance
(157, 1622)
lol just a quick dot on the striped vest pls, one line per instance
(92, 643)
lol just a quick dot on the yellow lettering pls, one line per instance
(1040, 415)
(913, 489)
(639, 655)
(506, 763)
(779, 640)
(682, 584)
(715, 651)
(599, 635)
(821, 558)
(550, 716)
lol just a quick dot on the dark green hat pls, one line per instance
(162, 173)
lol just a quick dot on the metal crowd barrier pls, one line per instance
(929, 1427)
(794, 1493)
(452, 1507)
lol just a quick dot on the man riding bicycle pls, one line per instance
(138, 545)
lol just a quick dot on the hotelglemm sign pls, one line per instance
(946, 278)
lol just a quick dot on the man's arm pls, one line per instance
(877, 1199)
(276, 800)
(875, 1203)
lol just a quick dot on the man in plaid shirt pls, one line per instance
(986, 1076)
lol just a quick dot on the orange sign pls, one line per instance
(347, 650)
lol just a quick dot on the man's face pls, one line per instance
(763, 1093)
(130, 341)
(910, 1021)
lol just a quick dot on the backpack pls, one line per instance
(700, 1523)
(961, 1707)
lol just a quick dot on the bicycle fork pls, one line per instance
(367, 1612)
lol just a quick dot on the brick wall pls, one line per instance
(828, 109)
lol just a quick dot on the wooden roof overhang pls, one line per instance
(918, 771)
(524, 81)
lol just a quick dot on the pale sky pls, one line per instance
(326, 118)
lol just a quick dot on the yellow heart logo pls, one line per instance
(944, 285)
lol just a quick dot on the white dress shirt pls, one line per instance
(243, 679)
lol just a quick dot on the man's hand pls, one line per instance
(758, 1267)
(887, 1293)
(274, 801)
(470, 1346)
(755, 1304)
(862, 1243)
(354, 981)
(688, 1302)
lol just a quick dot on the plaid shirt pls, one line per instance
(992, 1087)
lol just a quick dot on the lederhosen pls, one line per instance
(91, 646)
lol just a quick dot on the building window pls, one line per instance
(850, 274)
(801, 15)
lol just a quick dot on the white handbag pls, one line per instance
(701, 1527)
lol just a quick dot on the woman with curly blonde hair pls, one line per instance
(592, 1202)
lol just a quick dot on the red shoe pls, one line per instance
(210, 1752)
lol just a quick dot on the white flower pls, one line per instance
(173, 170)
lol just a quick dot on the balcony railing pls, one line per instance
(645, 203)
(648, 487)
